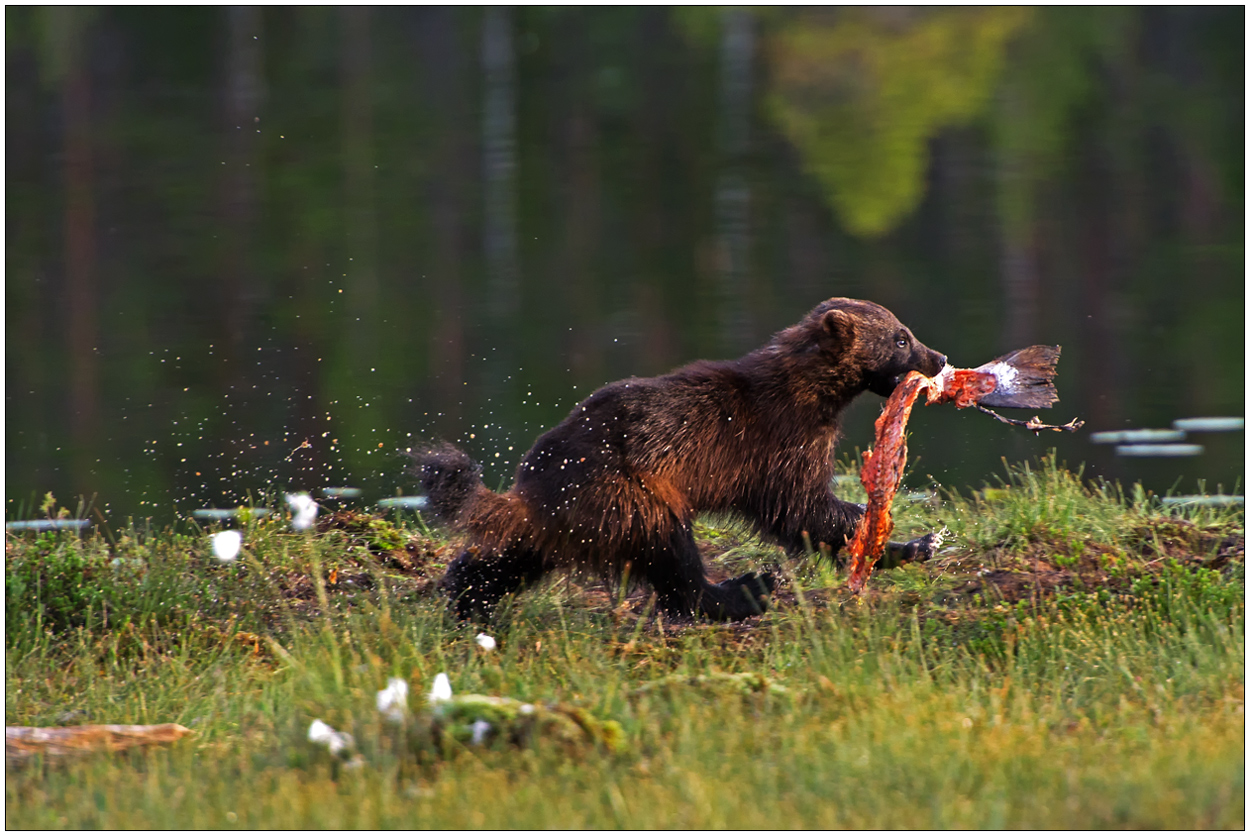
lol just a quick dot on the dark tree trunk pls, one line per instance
(1019, 270)
(244, 92)
(499, 164)
(446, 88)
(81, 286)
(733, 194)
(361, 216)
(499, 198)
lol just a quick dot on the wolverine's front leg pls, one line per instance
(896, 554)
(478, 578)
(827, 524)
(913, 551)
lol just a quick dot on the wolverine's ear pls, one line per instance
(838, 330)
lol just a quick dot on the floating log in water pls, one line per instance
(403, 502)
(1209, 425)
(1137, 436)
(1023, 378)
(23, 743)
(340, 493)
(1218, 501)
(223, 514)
(46, 525)
(1159, 450)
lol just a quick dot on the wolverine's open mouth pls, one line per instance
(884, 385)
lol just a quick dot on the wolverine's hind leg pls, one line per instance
(674, 569)
(477, 579)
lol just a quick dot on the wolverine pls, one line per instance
(615, 487)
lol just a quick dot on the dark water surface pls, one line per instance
(253, 250)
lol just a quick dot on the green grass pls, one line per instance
(1016, 681)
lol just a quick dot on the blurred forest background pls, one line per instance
(251, 248)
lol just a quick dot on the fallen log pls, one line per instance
(23, 743)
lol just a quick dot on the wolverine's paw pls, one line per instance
(466, 583)
(914, 551)
(464, 605)
(755, 587)
(736, 598)
(761, 583)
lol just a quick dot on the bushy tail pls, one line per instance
(450, 479)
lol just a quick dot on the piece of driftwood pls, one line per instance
(23, 743)
(1023, 378)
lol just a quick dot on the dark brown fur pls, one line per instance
(616, 485)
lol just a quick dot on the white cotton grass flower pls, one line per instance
(441, 692)
(393, 700)
(226, 545)
(480, 729)
(320, 732)
(337, 742)
(485, 642)
(304, 510)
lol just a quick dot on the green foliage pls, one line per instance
(382, 534)
(49, 504)
(998, 514)
(1042, 503)
(60, 31)
(163, 582)
(862, 92)
(449, 725)
(56, 584)
(733, 544)
(1045, 88)
(700, 24)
